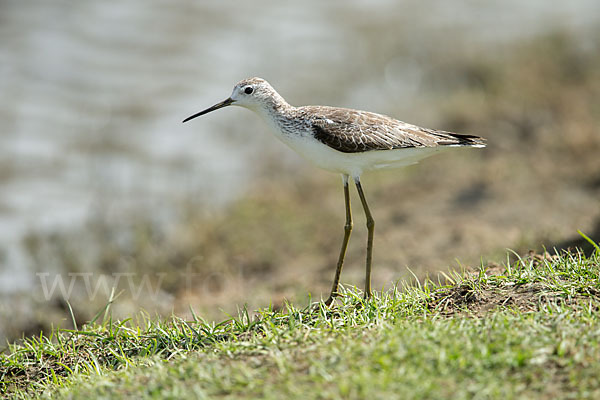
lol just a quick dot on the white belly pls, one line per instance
(353, 164)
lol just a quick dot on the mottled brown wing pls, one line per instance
(352, 131)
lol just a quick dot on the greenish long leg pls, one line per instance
(347, 232)
(371, 230)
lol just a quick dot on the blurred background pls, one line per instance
(102, 186)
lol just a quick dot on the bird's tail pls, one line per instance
(459, 139)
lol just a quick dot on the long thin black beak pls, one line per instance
(222, 104)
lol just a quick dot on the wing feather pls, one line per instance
(352, 131)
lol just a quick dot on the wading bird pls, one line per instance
(345, 141)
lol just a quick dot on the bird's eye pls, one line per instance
(248, 90)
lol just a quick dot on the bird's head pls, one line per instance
(253, 93)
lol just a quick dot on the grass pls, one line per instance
(279, 240)
(526, 329)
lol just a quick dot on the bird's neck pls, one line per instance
(280, 116)
(275, 109)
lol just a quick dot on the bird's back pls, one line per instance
(353, 131)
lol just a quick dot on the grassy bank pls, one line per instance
(527, 329)
(536, 101)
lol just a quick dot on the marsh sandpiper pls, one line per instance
(345, 141)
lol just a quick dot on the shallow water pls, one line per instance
(92, 94)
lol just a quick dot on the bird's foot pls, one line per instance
(331, 298)
(329, 301)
